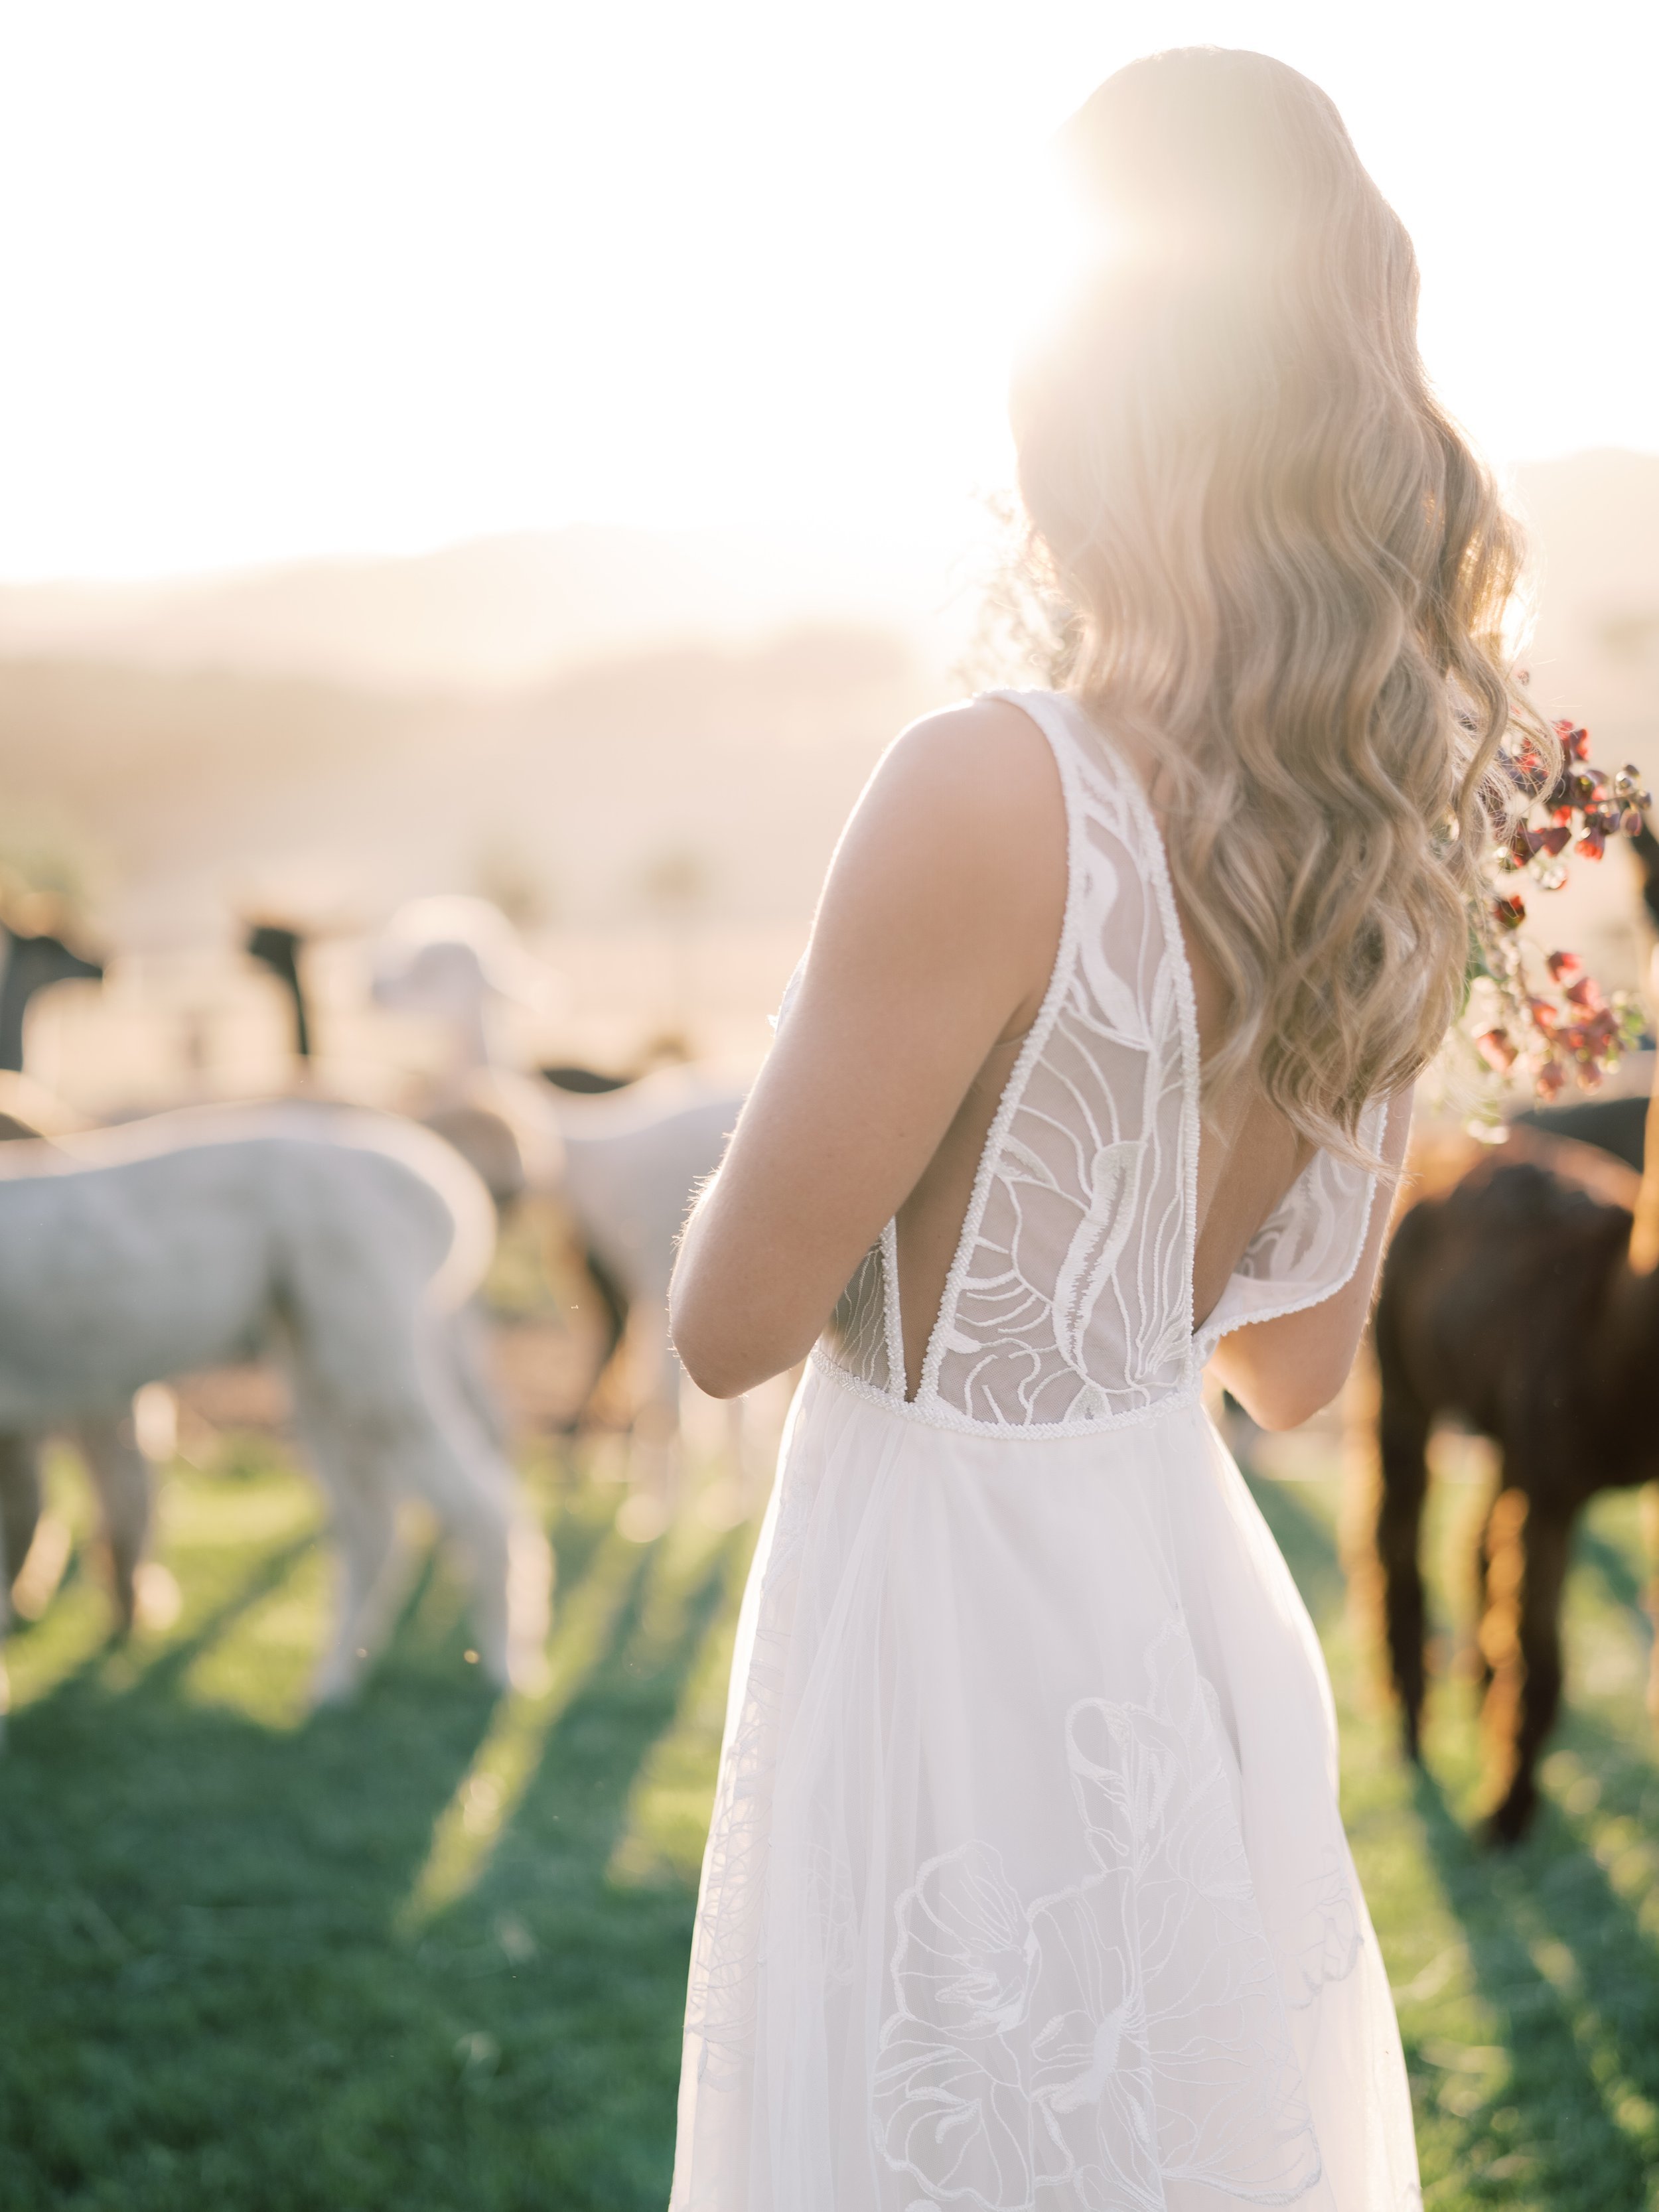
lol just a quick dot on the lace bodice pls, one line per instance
(1069, 1305)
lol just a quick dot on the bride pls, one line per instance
(1027, 1885)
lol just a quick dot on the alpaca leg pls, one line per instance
(1403, 1437)
(470, 1484)
(1650, 1532)
(368, 1456)
(20, 1506)
(121, 1475)
(1521, 1636)
(365, 1534)
(466, 1340)
(609, 1303)
(613, 1305)
(476, 1516)
(1485, 1545)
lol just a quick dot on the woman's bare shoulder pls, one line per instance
(980, 755)
(953, 864)
(973, 789)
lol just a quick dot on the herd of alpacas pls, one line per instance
(348, 1246)
(1519, 1301)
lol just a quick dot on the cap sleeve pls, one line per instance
(1309, 1247)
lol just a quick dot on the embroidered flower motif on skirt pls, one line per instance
(1119, 2035)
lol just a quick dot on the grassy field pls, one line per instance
(427, 1955)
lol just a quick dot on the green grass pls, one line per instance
(1528, 1982)
(427, 1955)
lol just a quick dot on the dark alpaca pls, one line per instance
(279, 950)
(1525, 1302)
(1512, 1305)
(32, 962)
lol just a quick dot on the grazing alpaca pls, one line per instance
(342, 1242)
(624, 1161)
(634, 1160)
(33, 964)
(1525, 1306)
(1525, 1302)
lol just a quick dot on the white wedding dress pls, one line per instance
(1026, 1889)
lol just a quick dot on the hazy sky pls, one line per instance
(351, 277)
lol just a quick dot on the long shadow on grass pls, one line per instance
(144, 1682)
(1591, 2164)
(1616, 1959)
(193, 1919)
(159, 1680)
(209, 1999)
(1550, 1902)
(573, 1988)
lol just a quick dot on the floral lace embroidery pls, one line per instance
(1119, 2035)
(1068, 1305)
(1316, 1936)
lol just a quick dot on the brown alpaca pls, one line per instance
(1522, 1305)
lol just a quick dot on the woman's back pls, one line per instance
(1058, 1263)
(1249, 1155)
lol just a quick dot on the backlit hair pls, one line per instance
(1281, 567)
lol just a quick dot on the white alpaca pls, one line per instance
(341, 1241)
(624, 1163)
(633, 1161)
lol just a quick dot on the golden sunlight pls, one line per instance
(299, 279)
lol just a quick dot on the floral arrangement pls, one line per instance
(1535, 1016)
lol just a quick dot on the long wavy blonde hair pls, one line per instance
(1281, 566)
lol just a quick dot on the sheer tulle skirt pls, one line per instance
(1026, 1886)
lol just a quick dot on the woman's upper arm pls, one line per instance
(1283, 1371)
(933, 940)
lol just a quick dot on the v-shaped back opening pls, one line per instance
(1081, 731)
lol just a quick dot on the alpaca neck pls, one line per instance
(472, 1041)
(469, 1055)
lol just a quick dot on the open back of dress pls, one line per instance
(1026, 1888)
